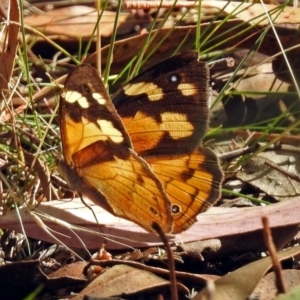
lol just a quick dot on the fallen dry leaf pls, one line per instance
(78, 21)
(293, 294)
(267, 290)
(255, 13)
(274, 183)
(9, 43)
(122, 279)
(241, 283)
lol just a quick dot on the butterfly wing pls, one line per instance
(192, 182)
(165, 112)
(98, 159)
(165, 109)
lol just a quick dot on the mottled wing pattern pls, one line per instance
(165, 112)
(99, 161)
(165, 108)
(191, 181)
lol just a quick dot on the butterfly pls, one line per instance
(139, 154)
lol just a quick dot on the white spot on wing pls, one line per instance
(99, 98)
(108, 129)
(73, 96)
(174, 78)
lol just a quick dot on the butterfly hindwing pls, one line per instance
(192, 182)
(165, 112)
(98, 159)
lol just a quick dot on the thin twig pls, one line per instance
(174, 293)
(273, 254)
(158, 4)
(283, 171)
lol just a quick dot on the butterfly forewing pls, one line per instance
(165, 108)
(99, 161)
(87, 114)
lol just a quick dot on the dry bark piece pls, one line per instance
(214, 223)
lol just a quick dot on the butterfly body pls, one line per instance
(140, 158)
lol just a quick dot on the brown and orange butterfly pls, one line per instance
(141, 158)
